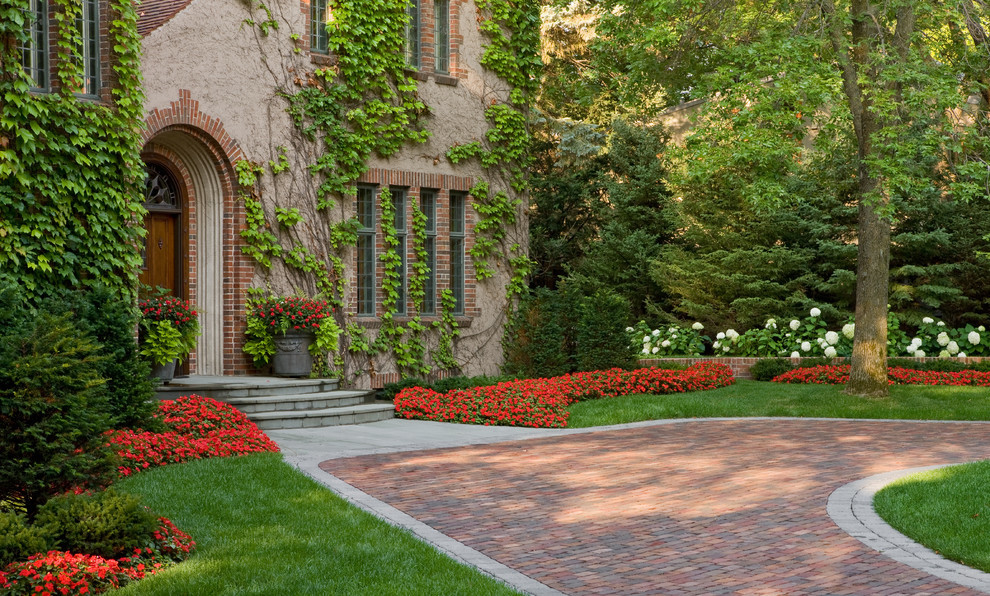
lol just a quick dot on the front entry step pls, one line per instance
(274, 403)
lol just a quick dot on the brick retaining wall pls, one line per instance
(740, 366)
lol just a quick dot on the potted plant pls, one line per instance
(168, 329)
(288, 331)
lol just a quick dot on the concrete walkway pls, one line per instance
(668, 507)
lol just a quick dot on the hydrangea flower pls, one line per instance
(928, 320)
(830, 352)
(981, 328)
(815, 312)
(973, 337)
(943, 354)
(919, 353)
(911, 349)
(849, 329)
(805, 346)
(629, 329)
(795, 354)
(771, 323)
(665, 343)
(716, 345)
(646, 339)
(656, 349)
(832, 338)
(726, 348)
(952, 348)
(656, 332)
(916, 341)
(943, 339)
(720, 335)
(646, 350)
(731, 333)
(795, 324)
(697, 326)
(941, 323)
(961, 355)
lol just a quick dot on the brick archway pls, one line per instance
(204, 154)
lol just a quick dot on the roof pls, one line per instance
(152, 14)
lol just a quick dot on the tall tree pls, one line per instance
(883, 85)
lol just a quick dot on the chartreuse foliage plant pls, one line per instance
(270, 316)
(70, 170)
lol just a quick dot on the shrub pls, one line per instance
(768, 368)
(667, 341)
(442, 385)
(539, 339)
(110, 319)
(107, 523)
(51, 409)
(602, 342)
(543, 402)
(18, 540)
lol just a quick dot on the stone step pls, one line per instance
(359, 414)
(302, 401)
(224, 388)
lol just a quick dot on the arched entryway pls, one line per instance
(165, 254)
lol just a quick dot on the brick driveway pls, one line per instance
(701, 507)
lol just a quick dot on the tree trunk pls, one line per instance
(868, 374)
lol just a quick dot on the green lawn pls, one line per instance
(753, 398)
(947, 510)
(262, 527)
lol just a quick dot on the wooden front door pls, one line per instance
(165, 247)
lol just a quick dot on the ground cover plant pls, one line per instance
(262, 527)
(754, 398)
(544, 402)
(839, 374)
(943, 509)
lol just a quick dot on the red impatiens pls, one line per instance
(543, 402)
(199, 427)
(839, 375)
(58, 572)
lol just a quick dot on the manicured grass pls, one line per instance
(753, 398)
(947, 510)
(262, 527)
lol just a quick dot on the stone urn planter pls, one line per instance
(292, 357)
(165, 372)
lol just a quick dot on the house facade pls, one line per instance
(219, 80)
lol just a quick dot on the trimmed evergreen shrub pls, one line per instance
(107, 523)
(602, 341)
(18, 540)
(768, 368)
(442, 385)
(539, 338)
(51, 408)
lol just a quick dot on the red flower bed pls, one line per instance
(199, 427)
(57, 572)
(543, 402)
(839, 375)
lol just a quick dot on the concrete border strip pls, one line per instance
(851, 508)
(443, 543)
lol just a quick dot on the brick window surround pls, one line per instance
(439, 187)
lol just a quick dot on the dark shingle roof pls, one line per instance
(152, 14)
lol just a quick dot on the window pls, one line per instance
(428, 205)
(457, 226)
(412, 33)
(366, 251)
(89, 28)
(441, 34)
(318, 26)
(399, 205)
(34, 51)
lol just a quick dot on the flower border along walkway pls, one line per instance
(542, 403)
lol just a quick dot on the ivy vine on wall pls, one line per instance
(71, 178)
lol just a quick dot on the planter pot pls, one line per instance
(292, 357)
(165, 372)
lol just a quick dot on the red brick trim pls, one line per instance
(185, 116)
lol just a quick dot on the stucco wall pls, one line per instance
(236, 73)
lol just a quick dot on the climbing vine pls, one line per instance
(366, 104)
(71, 176)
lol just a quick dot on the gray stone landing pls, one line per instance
(274, 403)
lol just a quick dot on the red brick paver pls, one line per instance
(701, 507)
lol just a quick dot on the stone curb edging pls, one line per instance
(443, 543)
(851, 508)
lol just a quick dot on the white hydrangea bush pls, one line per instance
(667, 341)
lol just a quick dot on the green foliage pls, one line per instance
(539, 338)
(109, 319)
(18, 540)
(601, 341)
(766, 369)
(52, 408)
(106, 523)
(70, 170)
